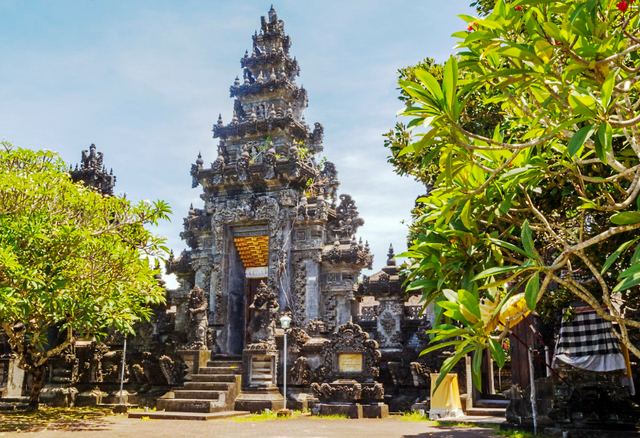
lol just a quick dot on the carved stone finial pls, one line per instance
(237, 82)
(220, 123)
(273, 17)
(235, 118)
(272, 77)
(390, 256)
(199, 160)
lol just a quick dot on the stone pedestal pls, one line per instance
(90, 398)
(259, 399)
(351, 410)
(13, 378)
(375, 410)
(259, 389)
(194, 359)
(59, 397)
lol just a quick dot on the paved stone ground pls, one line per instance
(304, 427)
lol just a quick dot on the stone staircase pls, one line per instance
(212, 390)
(487, 411)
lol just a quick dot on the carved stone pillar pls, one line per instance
(390, 314)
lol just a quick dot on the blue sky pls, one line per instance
(145, 81)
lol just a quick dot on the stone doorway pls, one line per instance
(253, 250)
(252, 287)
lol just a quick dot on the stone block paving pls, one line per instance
(304, 427)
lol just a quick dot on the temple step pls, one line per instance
(218, 370)
(202, 416)
(196, 394)
(190, 405)
(229, 364)
(206, 393)
(220, 378)
(486, 412)
(207, 386)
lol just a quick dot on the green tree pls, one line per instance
(71, 259)
(545, 192)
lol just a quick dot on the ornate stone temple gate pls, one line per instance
(275, 236)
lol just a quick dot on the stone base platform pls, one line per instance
(257, 400)
(354, 410)
(187, 415)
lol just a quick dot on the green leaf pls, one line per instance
(629, 271)
(607, 88)
(497, 270)
(635, 258)
(430, 82)
(628, 282)
(469, 302)
(603, 141)
(617, 253)
(476, 367)
(465, 215)
(449, 83)
(439, 346)
(497, 352)
(579, 138)
(507, 245)
(527, 240)
(531, 291)
(626, 218)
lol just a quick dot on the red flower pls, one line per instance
(623, 6)
(471, 26)
(518, 8)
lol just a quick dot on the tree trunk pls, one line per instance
(38, 383)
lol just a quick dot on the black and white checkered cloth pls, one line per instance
(587, 335)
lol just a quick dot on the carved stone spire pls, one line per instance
(390, 256)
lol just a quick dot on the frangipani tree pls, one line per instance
(548, 194)
(71, 259)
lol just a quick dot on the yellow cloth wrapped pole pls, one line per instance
(445, 401)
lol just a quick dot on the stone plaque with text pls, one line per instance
(350, 362)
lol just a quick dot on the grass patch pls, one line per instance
(330, 417)
(266, 416)
(413, 416)
(68, 419)
(455, 424)
(515, 433)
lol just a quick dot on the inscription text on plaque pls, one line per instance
(350, 362)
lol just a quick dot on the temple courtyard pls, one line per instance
(301, 427)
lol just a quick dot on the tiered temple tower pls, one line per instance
(271, 209)
(93, 173)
